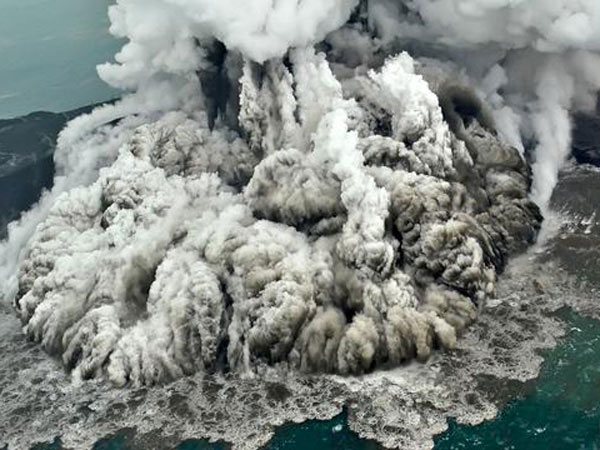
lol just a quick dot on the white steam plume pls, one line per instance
(547, 51)
(266, 198)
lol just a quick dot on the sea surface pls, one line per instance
(49, 50)
(48, 53)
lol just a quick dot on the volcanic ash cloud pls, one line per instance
(333, 224)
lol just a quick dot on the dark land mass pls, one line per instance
(586, 137)
(26, 159)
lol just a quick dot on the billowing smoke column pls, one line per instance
(276, 193)
(534, 61)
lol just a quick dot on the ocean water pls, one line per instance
(49, 50)
(562, 413)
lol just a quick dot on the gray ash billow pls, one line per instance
(286, 189)
(312, 239)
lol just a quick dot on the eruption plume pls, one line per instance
(314, 186)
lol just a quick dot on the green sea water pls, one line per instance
(562, 413)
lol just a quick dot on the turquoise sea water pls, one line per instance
(563, 413)
(49, 50)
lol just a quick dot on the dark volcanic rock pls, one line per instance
(586, 137)
(26, 159)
